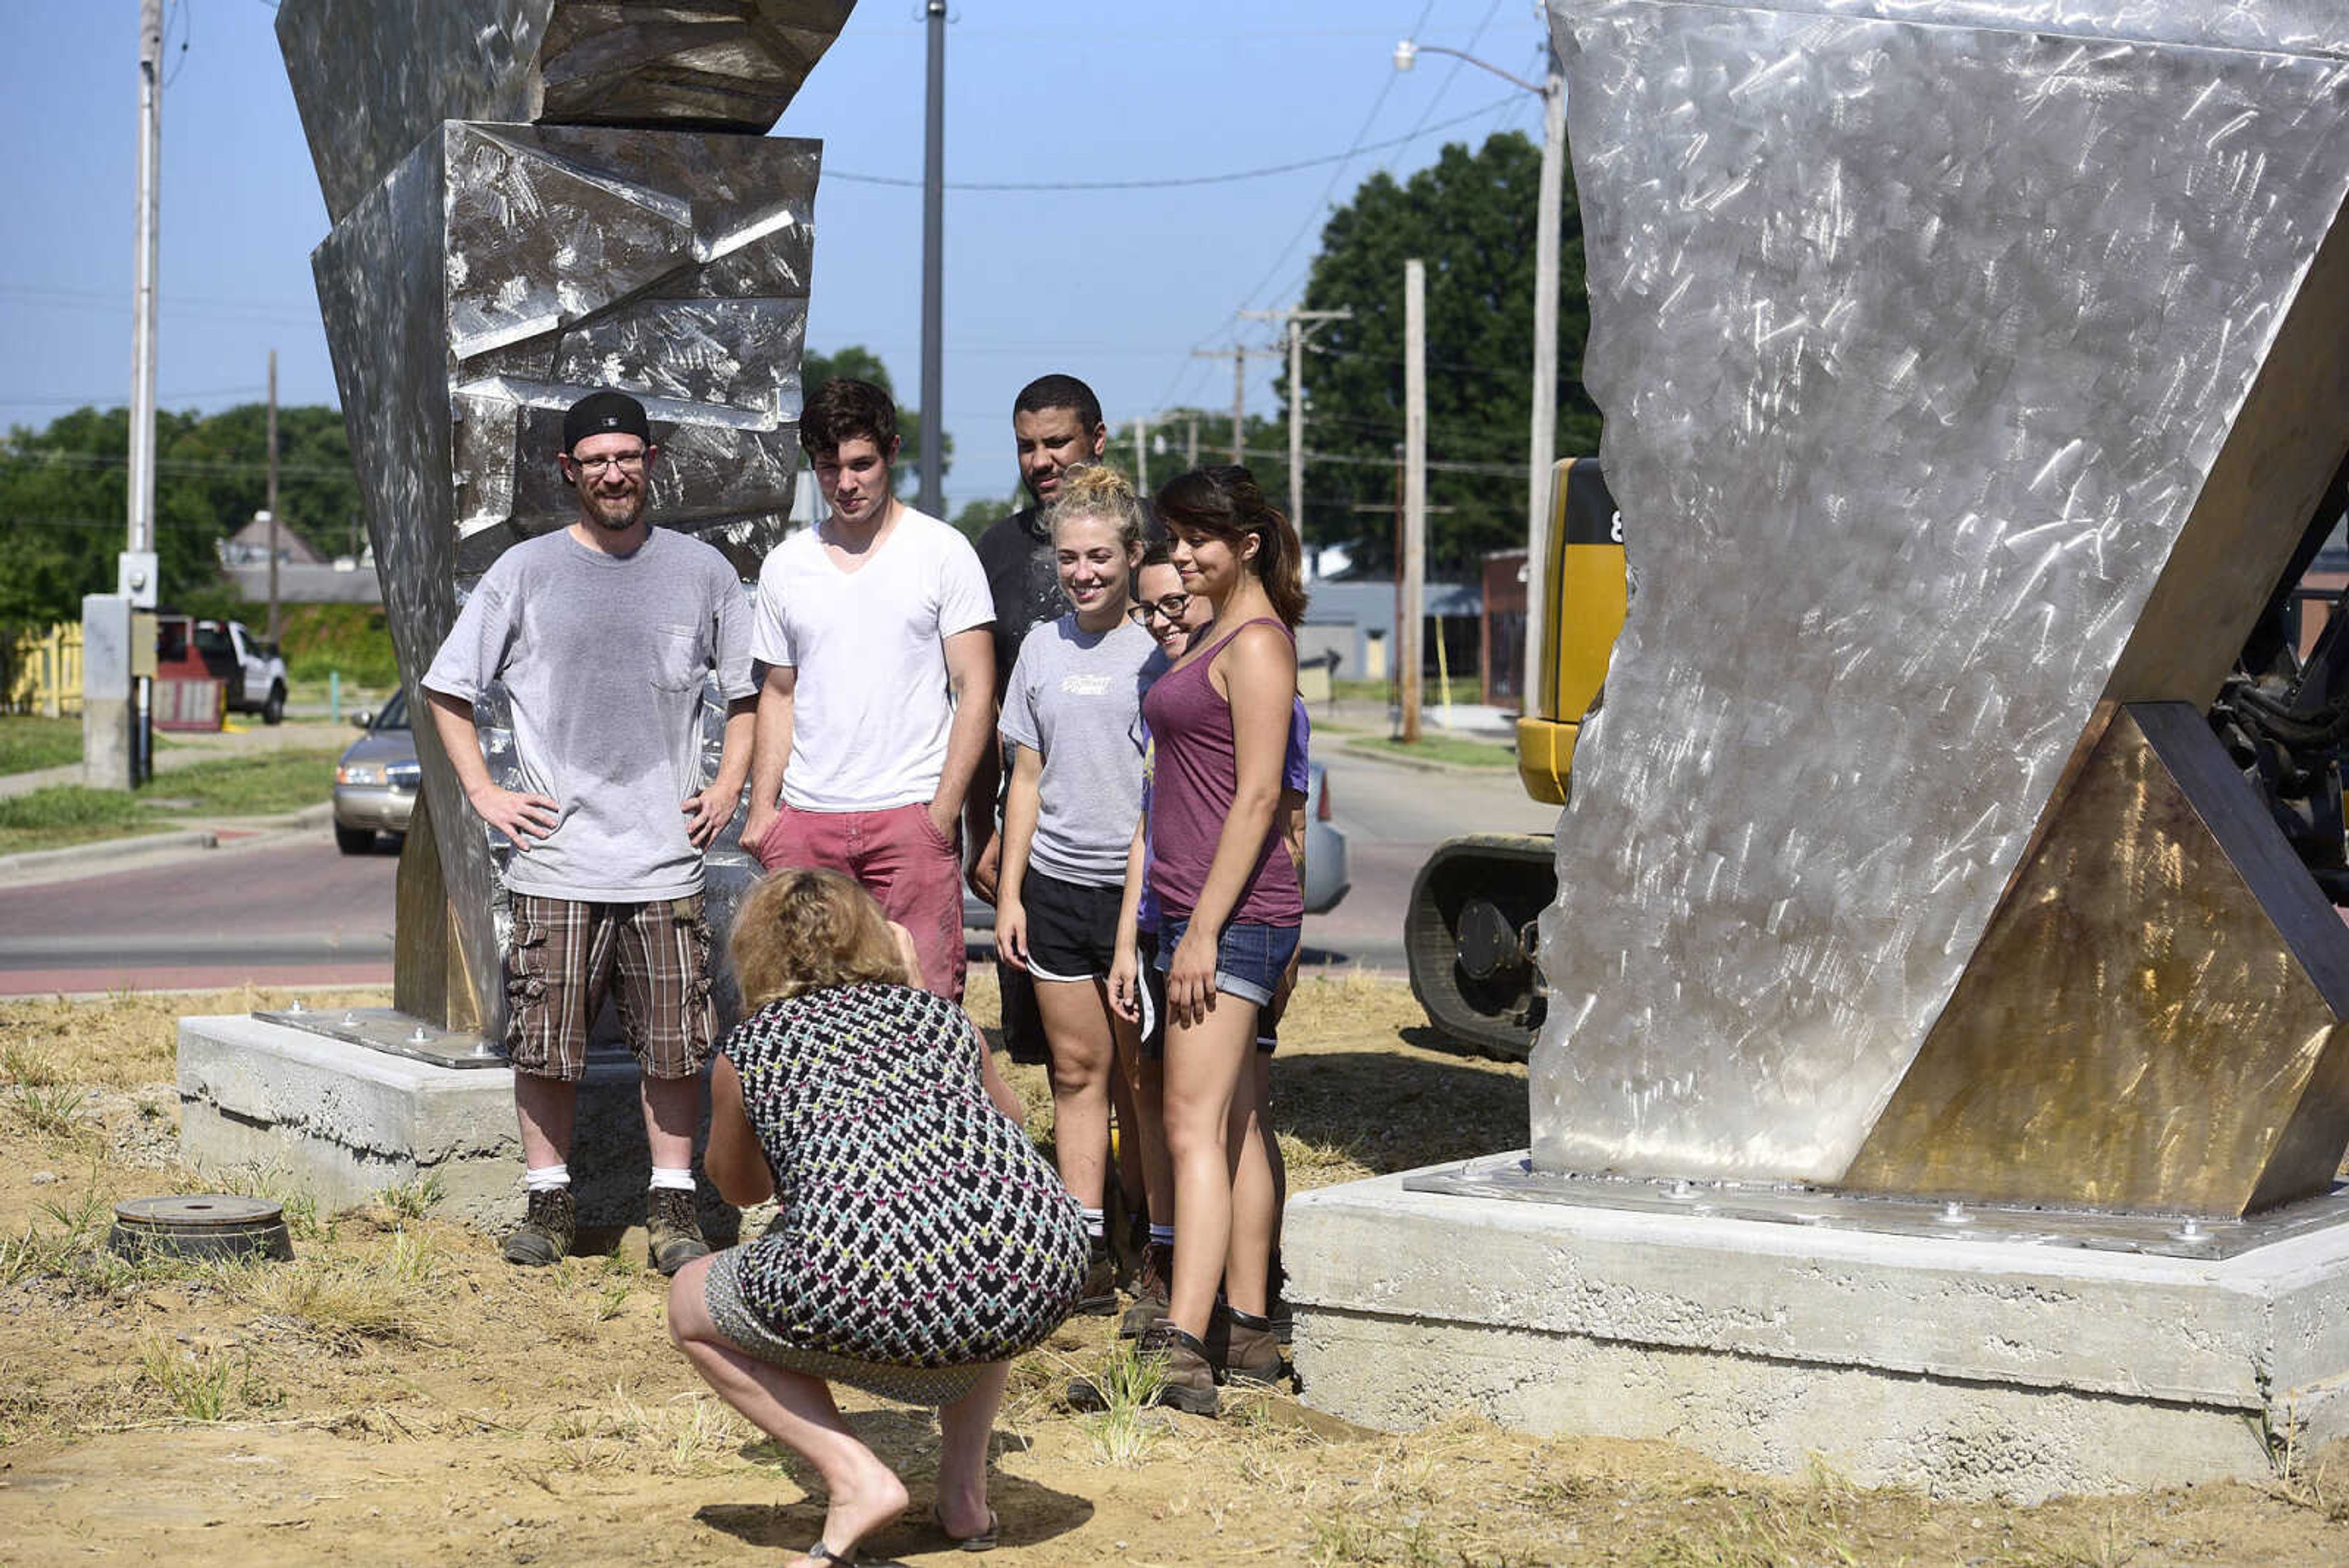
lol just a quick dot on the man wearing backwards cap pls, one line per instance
(603, 633)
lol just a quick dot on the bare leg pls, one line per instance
(861, 1494)
(1077, 1029)
(1263, 1074)
(965, 1425)
(1133, 1175)
(545, 1107)
(672, 1110)
(1157, 1164)
(1248, 1256)
(1203, 1076)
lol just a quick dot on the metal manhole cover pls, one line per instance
(201, 1225)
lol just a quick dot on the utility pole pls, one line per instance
(1542, 452)
(1414, 487)
(1191, 441)
(272, 495)
(1238, 355)
(1142, 456)
(933, 202)
(116, 703)
(143, 308)
(1301, 323)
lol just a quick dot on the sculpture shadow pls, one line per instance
(1391, 1110)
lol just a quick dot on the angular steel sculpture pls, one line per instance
(1970, 370)
(505, 242)
(371, 79)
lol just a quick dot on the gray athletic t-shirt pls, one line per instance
(1075, 699)
(603, 659)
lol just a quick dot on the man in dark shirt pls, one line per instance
(1057, 421)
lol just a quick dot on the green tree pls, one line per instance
(861, 364)
(62, 499)
(1472, 218)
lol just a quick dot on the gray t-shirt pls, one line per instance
(603, 659)
(1075, 699)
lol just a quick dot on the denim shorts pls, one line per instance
(1250, 958)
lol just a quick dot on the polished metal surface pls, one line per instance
(481, 276)
(393, 1032)
(1966, 368)
(1513, 1178)
(372, 79)
(2153, 1020)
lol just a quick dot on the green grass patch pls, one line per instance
(65, 815)
(1449, 750)
(29, 741)
(248, 786)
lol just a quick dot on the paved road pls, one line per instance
(1392, 817)
(288, 909)
(283, 909)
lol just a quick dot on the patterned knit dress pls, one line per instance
(918, 1234)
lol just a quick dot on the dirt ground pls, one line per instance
(399, 1395)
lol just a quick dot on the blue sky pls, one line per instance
(1119, 288)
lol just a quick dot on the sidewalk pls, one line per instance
(249, 738)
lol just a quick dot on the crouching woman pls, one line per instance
(920, 1241)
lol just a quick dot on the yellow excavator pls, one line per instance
(1469, 933)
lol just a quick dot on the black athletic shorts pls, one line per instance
(1072, 928)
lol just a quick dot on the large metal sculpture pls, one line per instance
(508, 234)
(1971, 369)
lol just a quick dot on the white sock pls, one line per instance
(547, 1177)
(1093, 1225)
(674, 1180)
(1162, 1235)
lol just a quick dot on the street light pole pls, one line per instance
(933, 202)
(1541, 449)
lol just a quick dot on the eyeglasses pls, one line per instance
(627, 463)
(1170, 608)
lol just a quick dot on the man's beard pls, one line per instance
(617, 513)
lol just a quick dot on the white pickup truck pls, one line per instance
(252, 672)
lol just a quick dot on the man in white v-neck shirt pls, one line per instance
(877, 699)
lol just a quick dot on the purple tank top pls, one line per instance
(1197, 780)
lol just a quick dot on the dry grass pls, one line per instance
(129, 1038)
(399, 1384)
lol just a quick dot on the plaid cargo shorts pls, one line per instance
(560, 961)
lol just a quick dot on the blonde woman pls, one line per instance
(1072, 725)
(920, 1241)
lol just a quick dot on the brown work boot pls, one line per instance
(547, 1231)
(1244, 1348)
(1190, 1383)
(672, 1230)
(1100, 1296)
(1152, 1283)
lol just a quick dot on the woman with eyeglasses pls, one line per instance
(1072, 725)
(1230, 912)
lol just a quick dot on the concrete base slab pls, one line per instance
(1964, 1369)
(344, 1122)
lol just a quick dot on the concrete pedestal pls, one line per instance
(1966, 1367)
(344, 1122)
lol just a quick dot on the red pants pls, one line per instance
(901, 860)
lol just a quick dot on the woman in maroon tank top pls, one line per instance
(1230, 907)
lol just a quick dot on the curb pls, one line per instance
(30, 863)
(1426, 765)
(76, 854)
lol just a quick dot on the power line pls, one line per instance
(1168, 181)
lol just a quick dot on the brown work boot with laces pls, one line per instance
(1190, 1381)
(1244, 1348)
(547, 1231)
(672, 1230)
(1152, 1283)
